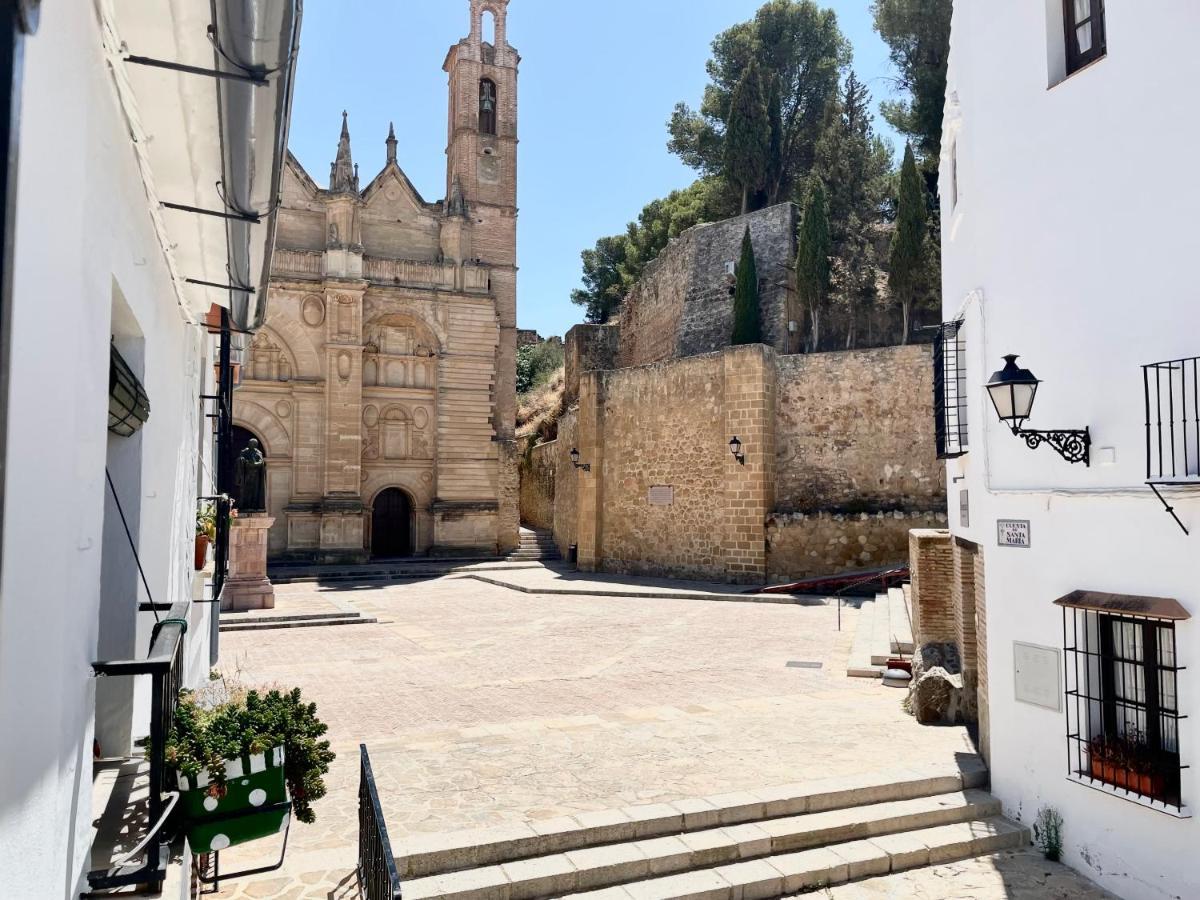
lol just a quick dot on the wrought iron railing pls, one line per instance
(1172, 426)
(950, 391)
(378, 877)
(145, 864)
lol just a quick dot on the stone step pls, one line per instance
(752, 859)
(863, 651)
(427, 855)
(267, 623)
(781, 875)
(901, 622)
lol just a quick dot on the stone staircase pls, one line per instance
(536, 545)
(760, 844)
(884, 630)
(268, 622)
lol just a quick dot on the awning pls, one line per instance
(206, 88)
(1125, 605)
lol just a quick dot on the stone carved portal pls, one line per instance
(392, 529)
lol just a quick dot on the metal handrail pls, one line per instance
(378, 877)
(164, 663)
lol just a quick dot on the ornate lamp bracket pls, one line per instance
(1072, 445)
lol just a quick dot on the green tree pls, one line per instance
(856, 165)
(918, 35)
(812, 260)
(748, 136)
(747, 318)
(536, 363)
(613, 266)
(775, 163)
(793, 41)
(907, 264)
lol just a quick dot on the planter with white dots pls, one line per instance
(255, 803)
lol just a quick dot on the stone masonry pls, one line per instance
(665, 495)
(382, 387)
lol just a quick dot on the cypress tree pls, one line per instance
(748, 135)
(812, 260)
(747, 321)
(775, 162)
(908, 241)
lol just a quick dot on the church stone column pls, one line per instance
(342, 525)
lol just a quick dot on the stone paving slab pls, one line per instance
(484, 707)
(1010, 875)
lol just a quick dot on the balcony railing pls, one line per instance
(304, 263)
(1172, 426)
(145, 863)
(410, 272)
(378, 878)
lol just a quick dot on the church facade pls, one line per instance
(382, 388)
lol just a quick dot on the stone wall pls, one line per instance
(856, 432)
(538, 476)
(931, 565)
(588, 348)
(807, 545)
(566, 485)
(683, 304)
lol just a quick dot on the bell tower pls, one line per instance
(481, 175)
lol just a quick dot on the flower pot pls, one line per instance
(1149, 785)
(255, 804)
(201, 551)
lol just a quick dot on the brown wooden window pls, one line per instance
(1085, 33)
(487, 106)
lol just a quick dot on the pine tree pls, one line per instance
(748, 135)
(812, 260)
(747, 321)
(907, 262)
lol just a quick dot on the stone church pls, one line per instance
(382, 388)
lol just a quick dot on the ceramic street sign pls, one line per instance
(1013, 533)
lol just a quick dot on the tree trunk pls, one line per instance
(905, 311)
(745, 199)
(816, 329)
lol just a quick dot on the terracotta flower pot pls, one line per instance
(201, 551)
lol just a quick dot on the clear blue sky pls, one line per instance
(598, 83)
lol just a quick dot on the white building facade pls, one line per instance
(1069, 238)
(101, 266)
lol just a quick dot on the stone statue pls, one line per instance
(250, 479)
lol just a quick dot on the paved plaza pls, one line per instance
(483, 706)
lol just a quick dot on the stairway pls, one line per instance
(884, 630)
(536, 545)
(760, 844)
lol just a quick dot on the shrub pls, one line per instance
(1047, 833)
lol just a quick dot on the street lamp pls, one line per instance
(1013, 391)
(587, 467)
(735, 447)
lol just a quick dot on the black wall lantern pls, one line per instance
(587, 467)
(1013, 390)
(735, 447)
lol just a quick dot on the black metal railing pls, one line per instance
(950, 390)
(1122, 704)
(1172, 420)
(378, 878)
(164, 665)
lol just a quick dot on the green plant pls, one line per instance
(1047, 833)
(203, 738)
(1129, 751)
(206, 520)
(747, 319)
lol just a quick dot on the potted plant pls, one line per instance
(1127, 761)
(206, 531)
(245, 765)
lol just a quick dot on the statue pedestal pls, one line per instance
(247, 586)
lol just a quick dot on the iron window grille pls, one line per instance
(1122, 704)
(1085, 32)
(128, 405)
(950, 390)
(1172, 391)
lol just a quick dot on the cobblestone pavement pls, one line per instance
(482, 706)
(1013, 875)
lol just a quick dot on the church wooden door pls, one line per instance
(391, 525)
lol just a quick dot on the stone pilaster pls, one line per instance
(749, 485)
(589, 439)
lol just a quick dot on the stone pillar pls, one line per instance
(341, 536)
(247, 586)
(931, 564)
(589, 438)
(749, 485)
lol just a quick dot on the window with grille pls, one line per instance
(950, 390)
(1122, 701)
(1085, 33)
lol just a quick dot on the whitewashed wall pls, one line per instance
(82, 227)
(1073, 243)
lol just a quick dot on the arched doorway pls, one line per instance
(392, 525)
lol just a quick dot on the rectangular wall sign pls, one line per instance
(964, 508)
(1037, 673)
(1013, 533)
(661, 495)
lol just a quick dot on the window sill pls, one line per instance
(1070, 75)
(1183, 812)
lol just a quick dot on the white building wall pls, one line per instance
(1073, 243)
(83, 226)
